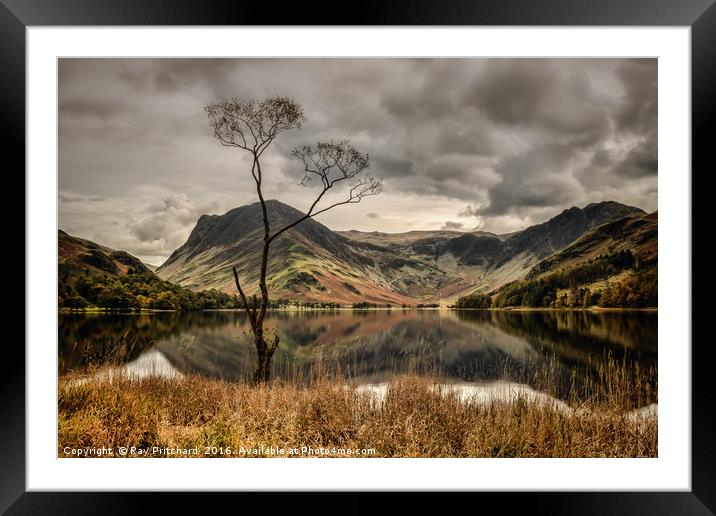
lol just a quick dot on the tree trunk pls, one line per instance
(262, 365)
(264, 356)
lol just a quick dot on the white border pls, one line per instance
(670, 471)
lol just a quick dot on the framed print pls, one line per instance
(425, 246)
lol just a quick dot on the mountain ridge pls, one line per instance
(91, 275)
(85, 253)
(310, 262)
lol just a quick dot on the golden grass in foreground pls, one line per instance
(412, 421)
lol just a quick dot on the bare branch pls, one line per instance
(274, 345)
(235, 120)
(252, 315)
(333, 163)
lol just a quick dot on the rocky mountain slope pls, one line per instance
(637, 233)
(612, 265)
(485, 261)
(310, 262)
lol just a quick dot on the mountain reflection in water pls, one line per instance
(462, 346)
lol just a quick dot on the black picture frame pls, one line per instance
(700, 15)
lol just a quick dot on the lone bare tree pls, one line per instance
(252, 126)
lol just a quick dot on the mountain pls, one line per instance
(485, 261)
(611, 265)
(411, 237)
(549, 237)
(637, 233)
(310, 262)
(89, 256)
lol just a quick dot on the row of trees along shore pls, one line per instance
(82, 290)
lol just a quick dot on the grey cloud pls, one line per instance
(168, 76)
(640, 161)
(469, 211)
(450, 225)
(637, 115)
(372, 215)
(386, 165)
(427, 94)
(639, 107)
(470, 138)
(420, 105)
(68, 199)
(511, 91)
(509, 138)
(101, 108)
(543, 94)
(536, 178)
(168, 222)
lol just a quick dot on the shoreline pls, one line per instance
(550, 309)
(378, 309)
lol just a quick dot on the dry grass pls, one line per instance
(412, 420)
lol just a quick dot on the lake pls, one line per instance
(369, 347)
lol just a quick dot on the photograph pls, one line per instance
(357, 257)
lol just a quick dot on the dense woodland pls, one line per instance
(81, 289)
(474, 300)
(567, 288)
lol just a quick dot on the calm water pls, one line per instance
(466, 346)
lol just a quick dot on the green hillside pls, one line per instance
(612, 265)
(95, 276)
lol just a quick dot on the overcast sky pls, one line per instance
(494, 144)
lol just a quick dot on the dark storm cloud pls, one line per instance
(536, 178)
(641, 160)
(546, 95)
(471, 137)
(502, 141)
(392, 167)
(513, 91)
(428, 93)
(638, 115)
(634, 150)
(638, 109)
